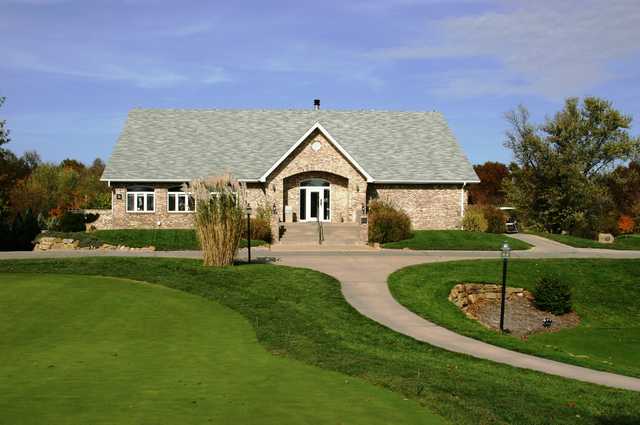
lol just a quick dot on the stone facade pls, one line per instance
(315, 158)
(161, 218)
(104, 220)
(428, 206)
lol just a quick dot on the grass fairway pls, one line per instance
(605, 294)
(301, 314)
(456, 240)
(623, 242)
(96, 350)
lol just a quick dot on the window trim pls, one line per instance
(135, 203)
(187, 195)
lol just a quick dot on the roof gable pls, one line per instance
(305, 136)
(179, 145)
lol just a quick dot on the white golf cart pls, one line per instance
(512, 222)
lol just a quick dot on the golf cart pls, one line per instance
(511, 224)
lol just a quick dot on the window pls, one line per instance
(140, 199)
(179, 201)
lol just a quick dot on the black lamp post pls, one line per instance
(506, 252)
(249, 233)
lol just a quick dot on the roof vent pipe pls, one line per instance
(316, 104)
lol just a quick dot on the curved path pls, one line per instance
(363, 275)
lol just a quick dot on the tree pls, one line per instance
(489, 191)
(4, 132)
(559, 181)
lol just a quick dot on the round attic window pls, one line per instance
(316, 146)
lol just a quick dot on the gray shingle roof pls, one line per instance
(164, 144)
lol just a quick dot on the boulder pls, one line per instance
(605, 238)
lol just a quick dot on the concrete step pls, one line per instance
(343, 234)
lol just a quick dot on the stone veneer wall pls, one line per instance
(348, 186)
(104, 220)
(428, 206)
(161, 218)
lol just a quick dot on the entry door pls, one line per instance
(315, 202)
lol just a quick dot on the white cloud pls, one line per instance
(139, 72)
(556, 48)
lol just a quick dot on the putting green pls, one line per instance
(96, 350)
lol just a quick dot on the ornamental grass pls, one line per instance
(218, 217)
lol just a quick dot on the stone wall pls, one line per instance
(161, 218)
(104, 220)
(428, 206)
(348, 186)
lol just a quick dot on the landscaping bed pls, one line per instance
(605, 294)
(301, 314)
(482, 302)
(161, 239)
(622, 242)
(456, 240)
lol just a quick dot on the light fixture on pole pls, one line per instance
(248, 233)
(506, 253)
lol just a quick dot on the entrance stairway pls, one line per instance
(306, 234)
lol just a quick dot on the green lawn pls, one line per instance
(162, 239)
(302, 315)
(456, 240)
(605, 294)
(97, 350)
(624, 242)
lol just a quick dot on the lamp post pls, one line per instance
(249, 233)
(506, 252)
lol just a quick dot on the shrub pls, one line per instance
(387, 223)
(219, 218)
(495, 219)
(71, 222)
(260, 224)
(626, 224)
(553, 295)
(473, 220)
(21, 233)
(260, 229)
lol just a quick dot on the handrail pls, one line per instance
(320, 230)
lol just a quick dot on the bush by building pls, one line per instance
(387, 223)
(474, 220)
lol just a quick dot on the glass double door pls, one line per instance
(315, 202)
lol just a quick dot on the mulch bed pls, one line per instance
(521, 317)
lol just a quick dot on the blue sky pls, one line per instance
(72, 69)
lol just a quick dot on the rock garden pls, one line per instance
(481, 302)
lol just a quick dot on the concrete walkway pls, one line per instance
(363, 275)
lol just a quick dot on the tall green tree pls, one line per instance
(558, 181)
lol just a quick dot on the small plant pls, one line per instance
(473, 220)
(495, 219)
(387, 223)
(552, 295)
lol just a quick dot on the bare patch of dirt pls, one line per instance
(481, 302)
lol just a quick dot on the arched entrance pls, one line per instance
(315, 200)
